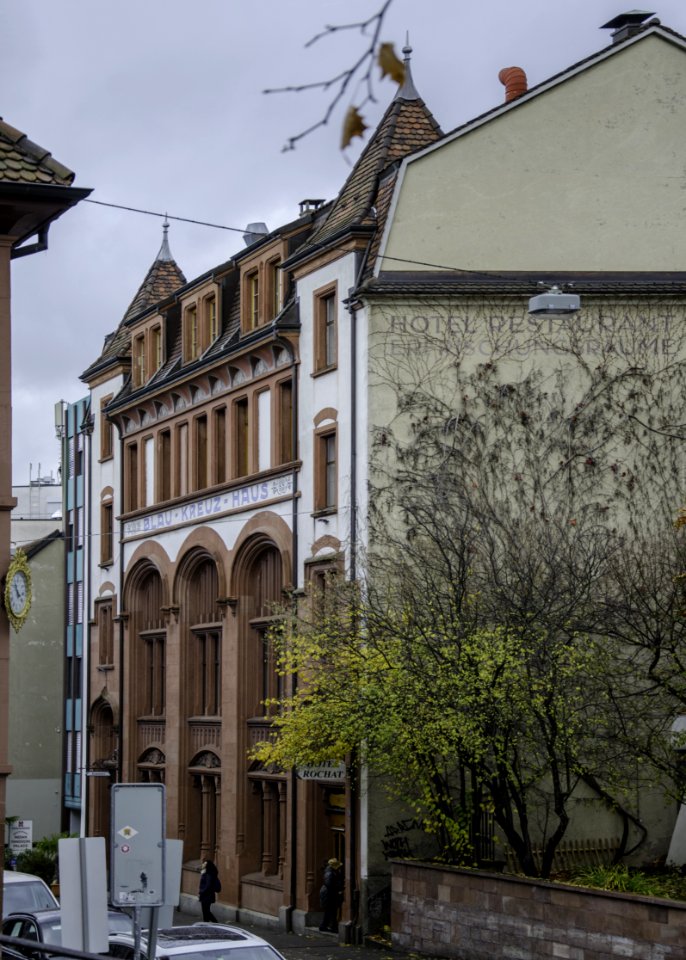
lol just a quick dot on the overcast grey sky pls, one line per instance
(157, 104)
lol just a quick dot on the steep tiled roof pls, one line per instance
(161, 280)
(22, 161)
(407, 125)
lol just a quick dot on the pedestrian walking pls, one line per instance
(210, 886)
(331, 895)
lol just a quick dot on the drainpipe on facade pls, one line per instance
(120, 737)
(354, 798)
(86, 640)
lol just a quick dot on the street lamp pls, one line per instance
(554, 303)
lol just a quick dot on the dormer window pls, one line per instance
(262, 286)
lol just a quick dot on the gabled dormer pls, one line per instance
(262, 284)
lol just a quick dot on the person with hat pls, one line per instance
(331, 895)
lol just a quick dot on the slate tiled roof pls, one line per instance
(22, 161)
(162, 279)
(407, 125)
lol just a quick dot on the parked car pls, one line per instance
(24, 891)
(212, 941)
(45, 926)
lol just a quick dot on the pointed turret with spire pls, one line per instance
(161, 280)
(406, 126)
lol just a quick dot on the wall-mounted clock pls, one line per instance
(18, 590)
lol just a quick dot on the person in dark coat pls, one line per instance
(331, 895)
(209, 887)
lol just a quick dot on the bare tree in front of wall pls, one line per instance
(518, 635)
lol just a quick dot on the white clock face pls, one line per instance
(18, 593)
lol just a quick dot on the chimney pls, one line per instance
(514, 81)
(628, 24)
(309, 206)
(254, 232)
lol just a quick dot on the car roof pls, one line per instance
(196, 935)
(14, 876)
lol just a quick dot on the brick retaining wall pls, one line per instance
(445, 911)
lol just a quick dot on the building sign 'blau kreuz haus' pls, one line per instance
(214, 506)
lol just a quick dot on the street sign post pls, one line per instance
(138, 844)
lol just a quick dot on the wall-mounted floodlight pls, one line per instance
(554, 303)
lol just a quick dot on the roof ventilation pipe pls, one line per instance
(255, 232)
(514, 81)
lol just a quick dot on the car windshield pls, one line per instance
(254, 952)
(26, 897)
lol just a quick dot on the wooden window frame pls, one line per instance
(138, 363)
(104, 618)
(325, 329)
(153, 688)
(107, 533)
(323, 502)
(191, 333)
(201, 450)
(219, 460)
(273, 292)
(156, 350)
(211, 315)
(106, 431)
(284, 421)
(132, 476)
(164, 465)
(242, 439)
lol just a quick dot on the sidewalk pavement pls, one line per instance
(312, 945)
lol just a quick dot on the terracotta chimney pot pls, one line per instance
(514, 81)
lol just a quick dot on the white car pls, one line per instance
(212, 941)
(22, 892)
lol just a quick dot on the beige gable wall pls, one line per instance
(589, 175)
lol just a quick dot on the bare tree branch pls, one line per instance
(343, 79)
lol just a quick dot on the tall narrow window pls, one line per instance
(201, 452)
(253, 292)
(149, 461)
(106, 533)
(208, 647)
(164, 465)
(191, 333)
(325, 331)
(156, 348)
(154, 674)
(106, 434)
(286, 452)
(105, 633)
(330, 470)
(241, 437)
(264, 430)
(212, 322)
(274, 292)
(219, 440)
(139, 361)
(182, 460)
(132, 476)
(326, 472)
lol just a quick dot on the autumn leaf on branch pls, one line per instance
(361, 70)
(390, 65)
(353, 126)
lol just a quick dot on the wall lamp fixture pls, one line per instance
(554, 303)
